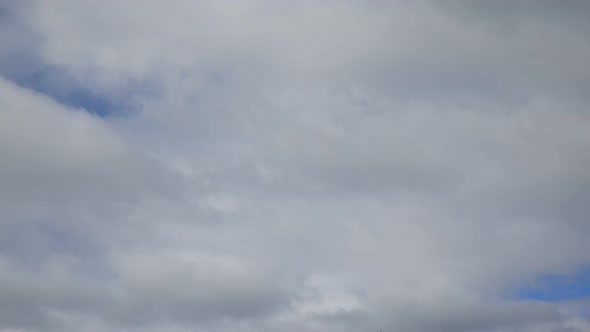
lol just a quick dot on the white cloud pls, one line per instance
(294, 166)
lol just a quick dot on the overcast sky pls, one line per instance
(294, 166)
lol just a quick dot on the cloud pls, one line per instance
(292, 166)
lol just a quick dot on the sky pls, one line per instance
(282, 165)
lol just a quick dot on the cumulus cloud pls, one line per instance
(292, 166)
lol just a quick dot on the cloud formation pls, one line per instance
(292, 166)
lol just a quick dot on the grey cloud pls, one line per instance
(294, 166)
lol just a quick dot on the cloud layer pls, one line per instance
(292, 166)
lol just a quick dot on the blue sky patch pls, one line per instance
(553, 287)
(57, 83)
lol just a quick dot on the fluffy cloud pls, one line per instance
(292, 166)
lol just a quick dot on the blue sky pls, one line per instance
(57, 84)
(555, 288)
